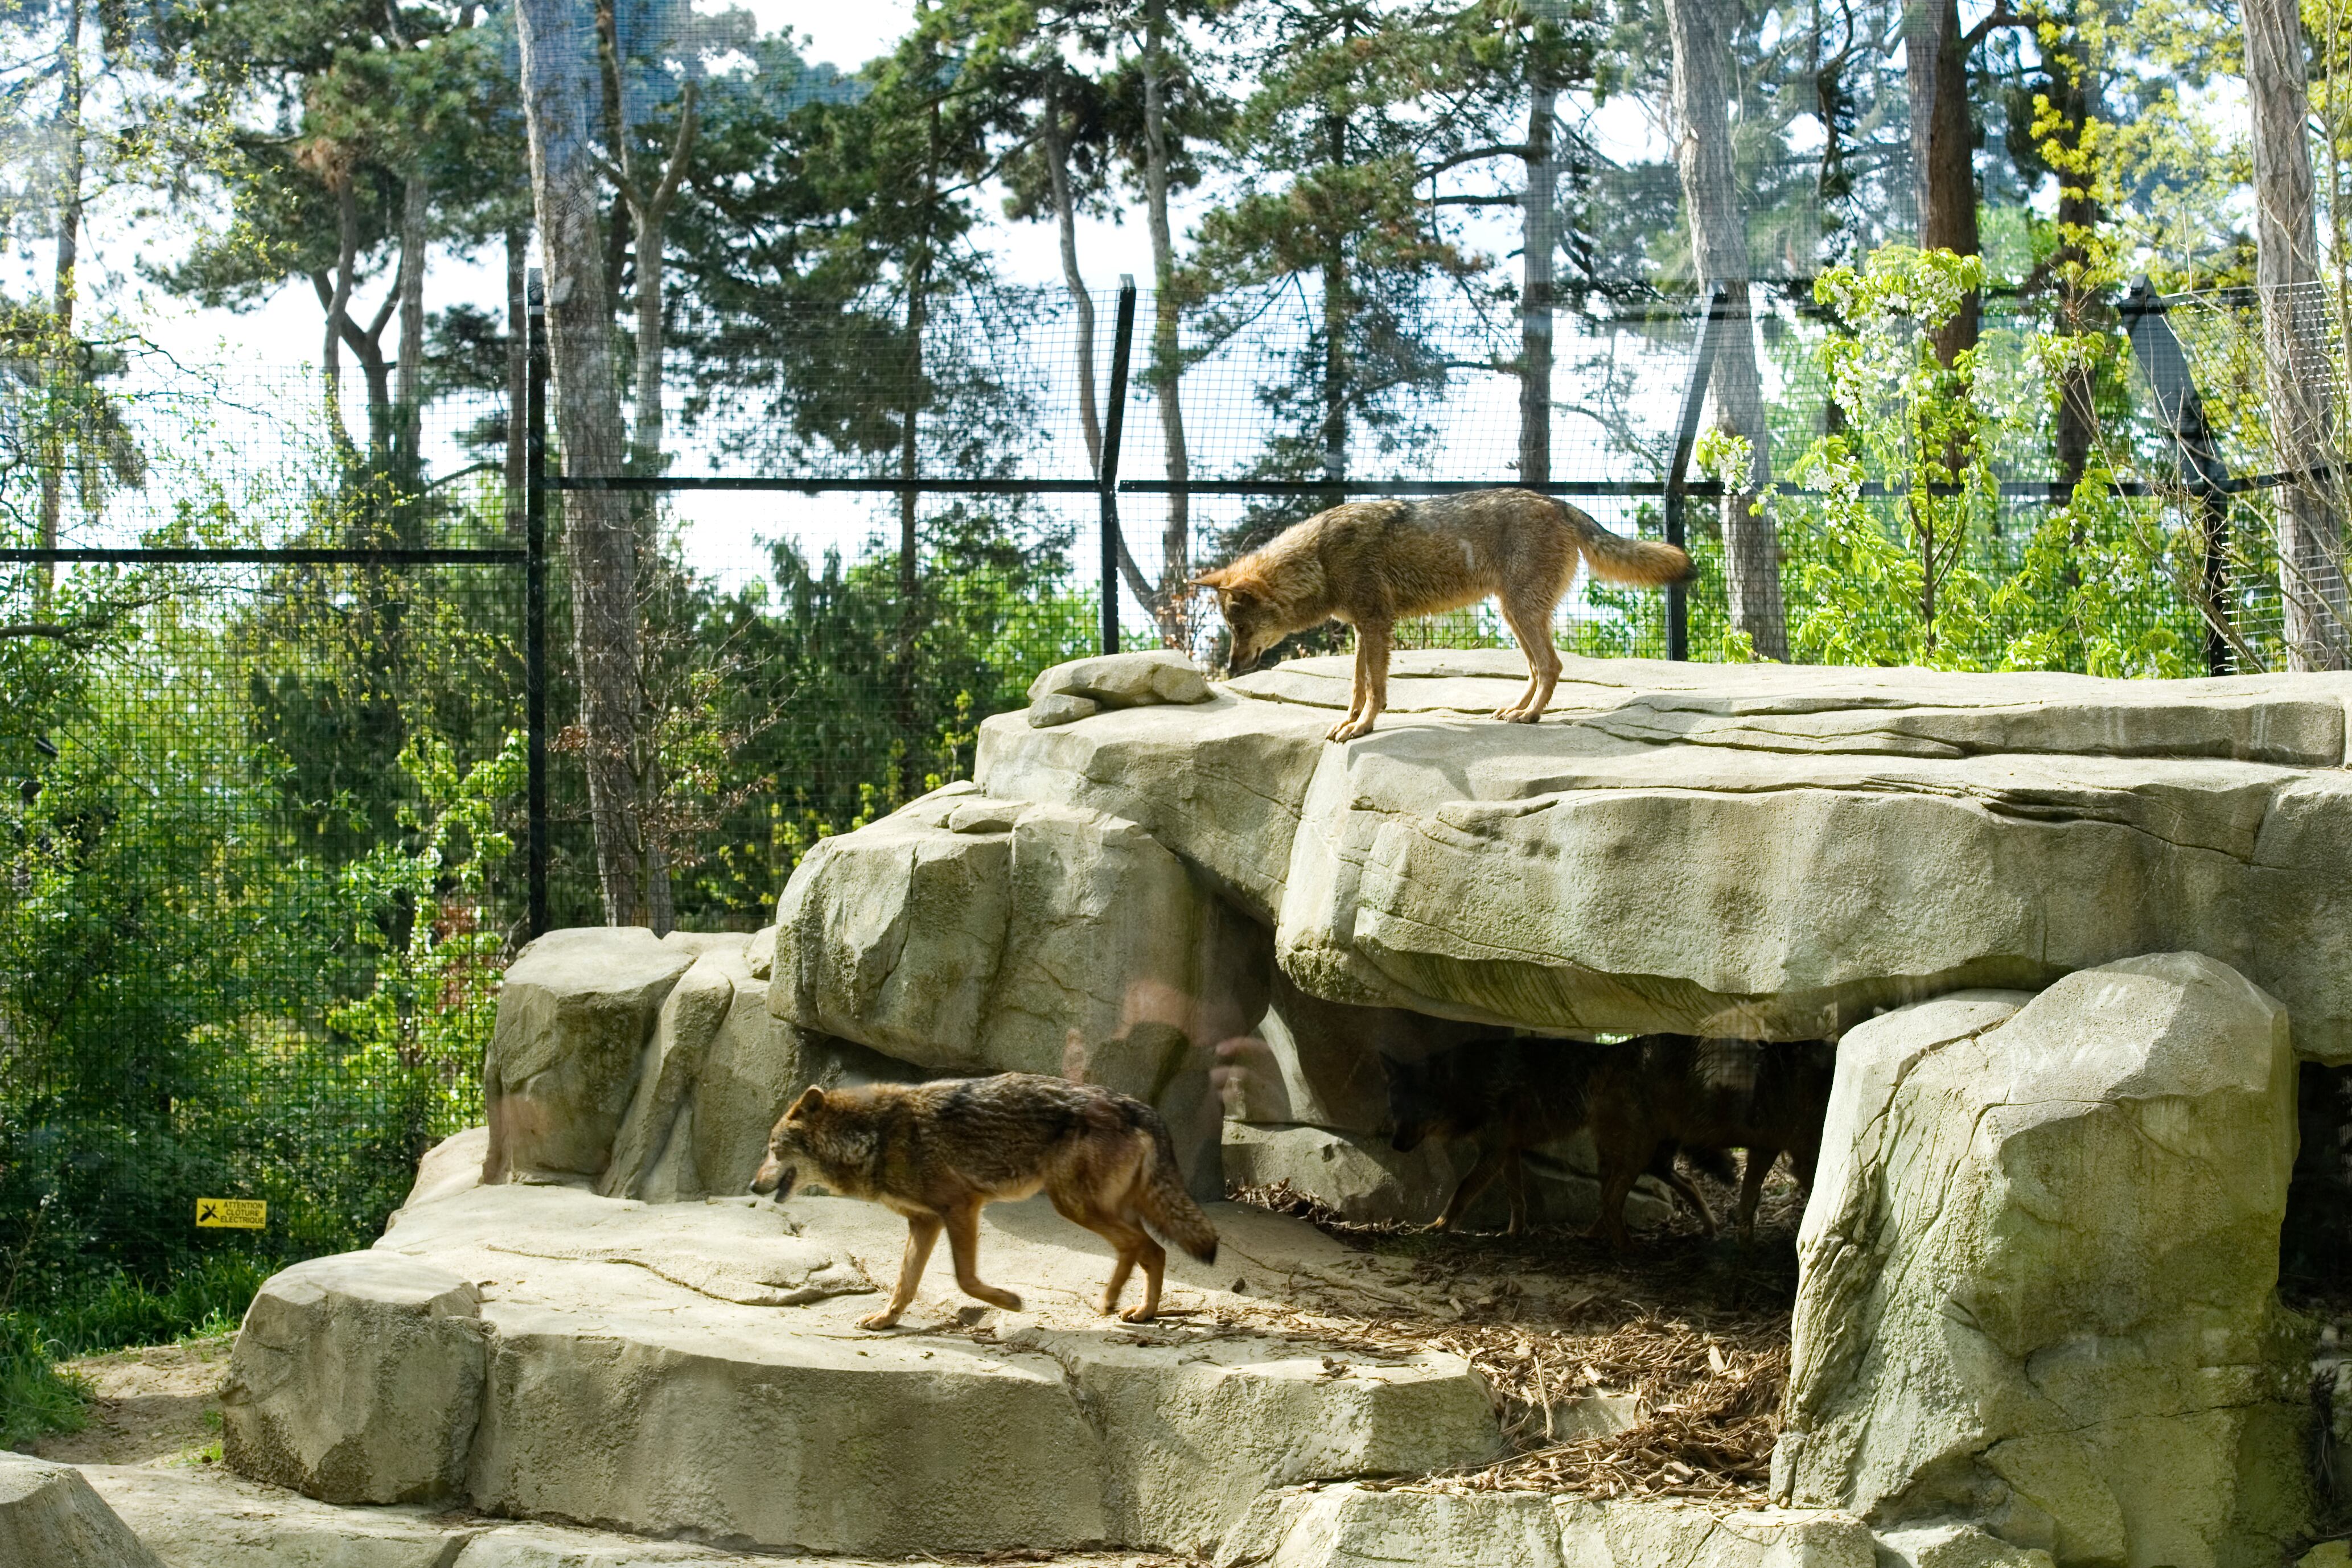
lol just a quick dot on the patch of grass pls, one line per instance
(209, 1298)
(37, 1397)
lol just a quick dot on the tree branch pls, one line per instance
(1478, 155)
(679, 148)
(2001, 16)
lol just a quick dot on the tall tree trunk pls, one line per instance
(1336, 375)
(2295, 329)
(1166, 356)
(559, 89)
(909, 532)
(61, 311)
(1538, 244)
(1057, 144)
(408, 414)
(518, 375)
(918, 286)
(1935, 61)
(338, 302)
(1751, 545)
(367, 344)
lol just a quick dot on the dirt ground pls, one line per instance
(157, 1404)
(1683, 1340)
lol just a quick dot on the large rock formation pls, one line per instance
(535, 1350)
(1763, 850)
(2038, 1272)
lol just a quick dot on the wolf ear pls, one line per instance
(811, 1099)
(1215, 579)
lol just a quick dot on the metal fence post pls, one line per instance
(1678, 471)
(2202, 471)
(535, 593)
(1106, 474)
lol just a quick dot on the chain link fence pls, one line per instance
(293, 755)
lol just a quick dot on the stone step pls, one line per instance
(210, 1518)
(697, 1369)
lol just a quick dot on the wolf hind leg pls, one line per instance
(1129, 1241)
(963, 1246)
(1481, 1176)
(1528, 615)
(922, 1234)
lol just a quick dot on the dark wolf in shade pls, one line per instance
(1374, 563)
(1667, 1090)
(936, 1152)
(1512, 1094)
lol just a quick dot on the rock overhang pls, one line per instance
(1770, 850)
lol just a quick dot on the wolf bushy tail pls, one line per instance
(1644, 563)
(1166, 1204)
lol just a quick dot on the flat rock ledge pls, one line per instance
(1769, 851)
(694, 1371)
(190, 1518)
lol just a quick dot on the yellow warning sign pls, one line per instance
(236, 1213)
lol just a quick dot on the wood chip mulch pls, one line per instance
(1694, 1332)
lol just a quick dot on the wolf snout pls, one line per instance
(775, 1179)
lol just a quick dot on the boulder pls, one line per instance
(576, 1010)
(2038, 1272)
(1123, 680)
(1954, 1544)
(451, 1166)
(1350, 1527)
(49, 1518)
(965, 934)
(1770, 850)
(357, 1378)
(672, 1062)
(1319, 1062)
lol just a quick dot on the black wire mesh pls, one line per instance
(265, 841)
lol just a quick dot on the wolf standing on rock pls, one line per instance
(1373, 563)
(937, 1152)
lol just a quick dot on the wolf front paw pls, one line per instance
(879, 1321)
(1519, 715)
(1137, 1314)
(1349, 729)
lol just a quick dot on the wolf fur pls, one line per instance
(1667, 1090)
(936, 1152)
(1373, 563)
(1511, 1094)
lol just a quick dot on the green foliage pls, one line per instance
(1904, 560)
(207, 1299)
(415, 1041)
(35, 1397)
